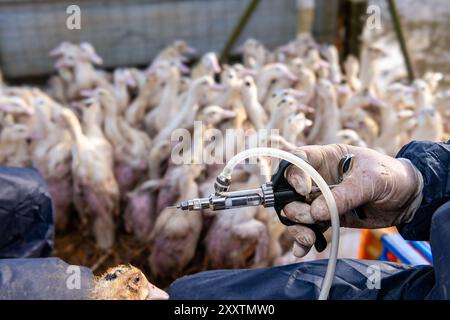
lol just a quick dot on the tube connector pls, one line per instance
(222, 184)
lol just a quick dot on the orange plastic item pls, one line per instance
(370, 246)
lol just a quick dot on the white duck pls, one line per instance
(131, 146)
(326, 122)
(96, 193)
(14, 144)
(207, 66)
(158, 117)
(176, 235)
(82, 63)
(306, 82)
(52, 157)
(198, 92)
(430, 126)
(351, 75)
(294, 127)
(256, 113)
(135, 112)
(332, 56)
(254, 54)
(268, 77)
(239, 238)
(123, 80)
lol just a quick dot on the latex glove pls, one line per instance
(387, 190)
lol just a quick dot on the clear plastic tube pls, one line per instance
(323, 186)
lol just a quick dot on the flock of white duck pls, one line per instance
(103, 142)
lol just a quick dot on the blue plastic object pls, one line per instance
(424, 248)
(402, 249)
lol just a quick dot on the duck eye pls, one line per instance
(110, 276)
(273, 81)
(137, 279)
(247, 83)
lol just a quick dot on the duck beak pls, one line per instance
(228, 114)
(291, 76)
(76, 105)
(216, 67)
(304, 108)
(28, 111)
(150, 71)
(60, 63)
(87, 93)
(287, 49)
(190, 50)
(56, 52)
(377, 102)
(5, 108)
(248, 72)
(131, 82)
(344, 90)
(218, 87)
(183, 68)
(298, 94)
(410, 89)
(324, 64)
(156, 293)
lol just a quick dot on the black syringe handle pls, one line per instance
(284, 193)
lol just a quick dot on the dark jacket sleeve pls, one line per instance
(432, 159)
(26, 214)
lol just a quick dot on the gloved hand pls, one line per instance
(386, 190)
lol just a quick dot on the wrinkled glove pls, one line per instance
(385, 191)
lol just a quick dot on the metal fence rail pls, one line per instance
(131, 32)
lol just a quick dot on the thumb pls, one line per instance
(349, 194)
(298, 178)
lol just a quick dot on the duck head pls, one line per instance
(214, 115)
(125, 282)
(201, 88)
(210, 63)
(248, 89)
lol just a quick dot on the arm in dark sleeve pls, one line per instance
(432, 159)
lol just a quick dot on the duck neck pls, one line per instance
(76, 132)
(332, 123)
(255, 112)
(84, 74)
(423, 101)
(92, 124)
(170, 90)
(388, 119)
(189, 105)
(43, 126)
(111, 122)
(263, 85)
